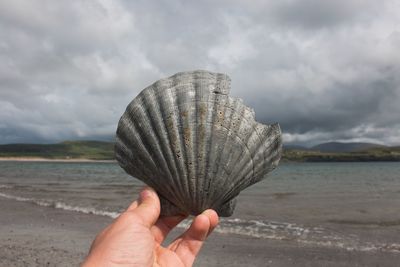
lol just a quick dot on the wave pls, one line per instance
(369, 223)
(67, 188)
(4, 186)
(313, 236)
(62, 205)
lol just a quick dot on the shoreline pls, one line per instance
(33, 235)
(72, 160)
(86, 160)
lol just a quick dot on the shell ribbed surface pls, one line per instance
(194, 144)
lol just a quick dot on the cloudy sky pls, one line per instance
(325, 70)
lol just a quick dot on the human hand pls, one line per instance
(135, 237)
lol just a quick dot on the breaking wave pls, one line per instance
(313, 236)
(61, 205)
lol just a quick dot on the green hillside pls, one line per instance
(345, 147)
(372, 154)
(95, 150)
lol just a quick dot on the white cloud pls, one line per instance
(324, 70)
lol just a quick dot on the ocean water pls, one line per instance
(350, 206)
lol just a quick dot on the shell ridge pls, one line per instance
(241, 108)
(188, 134)
(211, 95)
(148, 136)
(246, 113)
(172, 128)
(122, 150)
(148, 159)
(248, 169)
(209, 133)
(174, 141)
(209, 160)
(270, 143)
(123, 135)
(274, 152)
(175, 144)
(166, 144)
(238, 108)
(201, 135)
(264, 144)
(251, 176)
(276, 147)
(195, 142)
(214, 87)
(243, 122)
(256, 147)
(206, 146)
(215, 150)
(188, 116)
(224, 146)
(183, 159)
(262, 164)
(217, 99)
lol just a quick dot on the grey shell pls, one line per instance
(194, 144)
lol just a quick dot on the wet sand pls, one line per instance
(32, 235)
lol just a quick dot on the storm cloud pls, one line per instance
(325, 70)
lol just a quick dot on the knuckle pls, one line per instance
(129, 216)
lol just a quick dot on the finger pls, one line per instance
(135, 203)
(148, 208)
(188, 245)
(164, 225)
(133, 206)
(214, 219)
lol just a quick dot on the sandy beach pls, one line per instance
(32, 235)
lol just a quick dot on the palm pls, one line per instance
(181, 252)
(135, 237)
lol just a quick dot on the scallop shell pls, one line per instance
(194, 144)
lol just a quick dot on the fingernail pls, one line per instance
(206, 212)
(145, 193)
(209, 212)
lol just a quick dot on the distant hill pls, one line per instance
(294, 147)
(95, 150)
(352, 153)
(344, 147)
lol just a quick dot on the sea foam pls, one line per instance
(313, 236)
(61, 205)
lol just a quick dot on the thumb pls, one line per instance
(148, 208)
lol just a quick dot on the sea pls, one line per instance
(349, 206)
